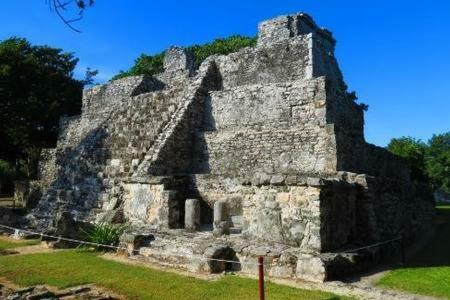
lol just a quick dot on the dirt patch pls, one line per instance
(8, 252)
(8, 239)
(42, 247)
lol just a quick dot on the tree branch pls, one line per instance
(61, 7)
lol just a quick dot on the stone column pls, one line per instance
(220, 218)
(192, 214)
(219, 212)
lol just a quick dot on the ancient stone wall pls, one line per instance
(265, 144)
(272, 128)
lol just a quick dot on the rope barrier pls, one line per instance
(173, 254)
(121, 248)
(260, 262)
(372, 245)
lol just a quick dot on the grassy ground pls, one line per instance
(9, 244)
(69, 268)
(428, 273)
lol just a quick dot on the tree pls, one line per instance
(413, 151)
(89, 76)
(428, 161)
(437, 160)
(36, 89)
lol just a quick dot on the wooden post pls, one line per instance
(261, 277)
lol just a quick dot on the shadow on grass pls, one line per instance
(434, 253)
(428, 271)
(437, 252)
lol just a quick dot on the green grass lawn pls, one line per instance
(8, 244)
(429, 272)
(68, 268)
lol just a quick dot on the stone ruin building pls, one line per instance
(259, 152)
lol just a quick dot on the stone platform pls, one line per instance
(204, 252)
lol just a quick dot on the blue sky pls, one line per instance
(394, 54)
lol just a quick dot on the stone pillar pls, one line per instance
(219, 212)
(220, 218)
(192, 214)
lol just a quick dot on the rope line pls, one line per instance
(121, 248)
(372, 245)
(173, 254)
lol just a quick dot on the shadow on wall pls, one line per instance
(78, 181)
(201, 164)
(206, 211)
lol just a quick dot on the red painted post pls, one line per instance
(261, 277)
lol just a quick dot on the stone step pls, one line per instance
(235, 230)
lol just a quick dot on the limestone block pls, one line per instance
(277, 179)
(220, 213)
(192, 214)
(176, 59)
(133, 241)
(310, 268)
(237, 221)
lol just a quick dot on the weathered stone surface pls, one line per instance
(221, 223)
(270, 133)
(310, 268)
(132, 242)
(192, 214)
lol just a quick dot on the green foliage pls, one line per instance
(89, 76)
(36, 88)
(220, 46)
(144, 65)
(105, 234)
(428, 161)
(413, 151)
(364, 106)
(153, 64)
(70, 268)
(438, 161)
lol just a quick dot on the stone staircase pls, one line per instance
(181, 120)
(96, 156)
(128, 139)
(101, 150)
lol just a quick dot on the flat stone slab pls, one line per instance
(203, 252)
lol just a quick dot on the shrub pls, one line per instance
(105, 234)
(153, 64)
